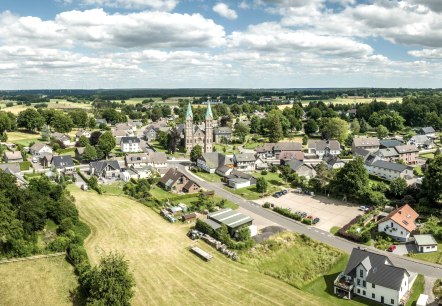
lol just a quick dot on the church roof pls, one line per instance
(189, 111)
(209, 111)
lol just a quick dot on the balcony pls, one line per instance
(343, 286)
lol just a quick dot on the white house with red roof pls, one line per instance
(399, 223)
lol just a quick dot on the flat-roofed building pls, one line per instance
(231, 218)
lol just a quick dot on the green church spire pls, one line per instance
(209, 111)
(189, 113)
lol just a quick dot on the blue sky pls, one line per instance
(197, 43)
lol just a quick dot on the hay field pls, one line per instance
(165, 271)
(23, 138)
(37, 282)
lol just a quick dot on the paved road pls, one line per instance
(410, 264)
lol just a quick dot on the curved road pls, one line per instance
(408, 263)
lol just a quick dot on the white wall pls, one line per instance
(395, 231)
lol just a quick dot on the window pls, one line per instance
(359, 282)
(359, 290)
(363, 292)
(373, 296)
(373, 286)
(392, 301)
(361, 273)
(364, 283)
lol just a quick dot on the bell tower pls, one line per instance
(188, 131)
(208, 139)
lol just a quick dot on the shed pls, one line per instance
(425, 243)
(188, 217)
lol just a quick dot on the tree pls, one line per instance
(61, 123)
(83, 141)
(255, 124)
(241, 131)
(274, 126)
(30, 119)
(196, 153)
(261, 185)
(310, 127)
(106, 143)
(432, 184)
(336, 128)
(398, 186)
(315, 113)
(355, 126)
(90, 153)
(364, 126)
(381, 131)
(109, 283)
(91, 122)
(7, 122)
(79, 118)
(351, 179)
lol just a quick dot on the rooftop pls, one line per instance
(229, 217)
(425, 239)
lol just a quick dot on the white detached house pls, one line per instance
(399, 223)
(130, 144)
(374, 277)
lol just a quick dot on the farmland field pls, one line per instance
(22, 138)
(165, 271)
(350, 100)
(37, 282)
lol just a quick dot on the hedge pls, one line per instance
(343, 231)
(287, 213)
(25, 165)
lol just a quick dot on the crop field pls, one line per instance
(22, 138)
(63, 104)
(165, 271)
(350, 100)
(37, 282)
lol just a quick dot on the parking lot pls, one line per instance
(331, 212)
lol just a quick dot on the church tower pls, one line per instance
(188, 131)
(208, 139)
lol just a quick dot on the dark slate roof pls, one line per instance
(321, 145)
(288, 146)
(245, 157)
(130, 140)
(381, 271)
(389, 166)
(390, 143)
(388, 152)
(295, 164)
(99, 166)
(428, 130)
(332, 160)
(171, 177)
(361, 152)
(62, 161)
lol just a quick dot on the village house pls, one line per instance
(301, 168)
(137, 160)
(422, 141)
(46, 159)
(126, 126)
(39, 148)
(211, 161)
(333, 162)
(408, 153)
(367, 143)
(99, 122)
(14, 170)
(388, 154)
(158, 160)
(105, 168)
(388, 170)
(81, 133)
(374, 277)
(63, 164)
(389, 143)
(427, 131)
(63, 139)
(150, 133)
(118, 134)
(12, 157)
(399, 223)
(285, 156)
(238, 179)
(245, 161)
(273, 150)
(222, 134)
(177, 182)
(130, 144)
(323, 148)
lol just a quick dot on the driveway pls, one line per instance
(404, 249)
(331, 212)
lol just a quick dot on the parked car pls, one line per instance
(303, 214)
(315, 220)
(363, 208)
(310, 217)
(277, 194)
(285, 191)
(298, 213)
(391, 248)
(34, 159)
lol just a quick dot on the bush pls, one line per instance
(264, 172)
(60, 244)
(25, 165)
(307, 221)
(287, 213)
(266, 205)
(204, 227)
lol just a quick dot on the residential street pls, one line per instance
(427, 269)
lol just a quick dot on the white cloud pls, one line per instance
(223, 10)
(427, 53)
(163, 5)
(244, 5)
(97, 29)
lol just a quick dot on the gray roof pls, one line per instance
(158, 157)
(406, 149)
(15, 168)
(361, 152)
(380, 269)
(214, 160)
(425, 239)
(366, 142)
(13, 155)
(389, 152)
(427, 130)
(222, 131)
(130, 140)
(321, 145)
(288, 146)
(62, 161)
(389, 166)
(245, 157)
(390, 143)
(99, 166)
(223, 169)
(38, 146)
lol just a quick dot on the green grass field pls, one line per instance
(23, 138)
(210, 177)
(416, 290)
(250, 192)
(434, 257)
(165, 271)
(272, 178)
(37, 282)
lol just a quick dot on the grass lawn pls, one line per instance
(160, 193)
(229, 148)
(272, 178)
(37, 282)
(250, 192)
(16, 109)
(427, 155)
(215, 198)
(209, 177)
(322, 286)
(165, 271)
(416, 290)
(23, 138)
(418, 171)
(334, 230)
(293, 258)
(68, 151)
(114, 189)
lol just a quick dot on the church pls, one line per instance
(199, 135)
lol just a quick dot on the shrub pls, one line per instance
(307, 221)
(264, 172)
(266, 205)
(343, 232)
(287, 213)
(60, 244)
(204, 227)
(24, 166)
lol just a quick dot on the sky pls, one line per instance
(92, 44)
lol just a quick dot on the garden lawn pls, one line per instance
(250, 192)
(272, 178)
(295, 259)
(114, 189)
(229, 148)
(427, 155)
(416, 290)
(215, 198)
(434, 257)
(23, 138)
(48, 281)
(209, 177)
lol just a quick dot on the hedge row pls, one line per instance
(287, 213)
(343, 231)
